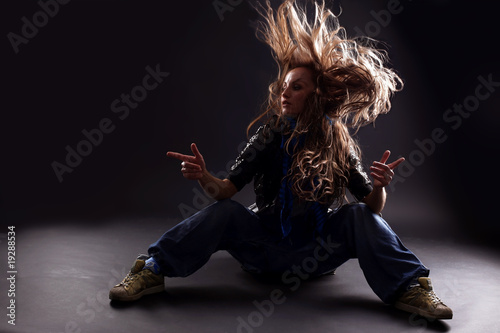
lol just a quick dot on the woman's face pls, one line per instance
(297, 87)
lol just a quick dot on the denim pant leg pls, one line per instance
(387, 264)
(224, 225)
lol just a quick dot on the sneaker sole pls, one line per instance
(423, 313)
(148, 291)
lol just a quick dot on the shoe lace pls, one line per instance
(433, 297)
(130, 278)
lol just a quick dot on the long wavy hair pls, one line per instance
(353, 87)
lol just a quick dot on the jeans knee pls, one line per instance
(227, 205)
(357, 208)
(362, 217)
(358, 213)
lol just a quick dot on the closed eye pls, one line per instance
(294, 87)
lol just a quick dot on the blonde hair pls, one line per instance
(353, 87)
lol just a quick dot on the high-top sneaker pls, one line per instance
(422, 300)
(137, 283)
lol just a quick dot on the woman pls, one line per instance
(301, 160)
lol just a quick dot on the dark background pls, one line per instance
(66, 77)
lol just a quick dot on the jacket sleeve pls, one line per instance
(359, 184)
(250, 160)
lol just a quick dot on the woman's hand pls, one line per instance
(192, 167)
(381, 172)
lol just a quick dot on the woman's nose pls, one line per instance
(285, 92)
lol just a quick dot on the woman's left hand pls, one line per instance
(381, 172)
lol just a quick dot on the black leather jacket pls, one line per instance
(261, 161)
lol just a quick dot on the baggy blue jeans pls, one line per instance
(353, 231)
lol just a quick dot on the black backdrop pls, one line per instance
(69, 66)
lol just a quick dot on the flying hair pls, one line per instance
(353, 87)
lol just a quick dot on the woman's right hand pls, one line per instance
(192, 167)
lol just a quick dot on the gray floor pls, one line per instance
(65, 272)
